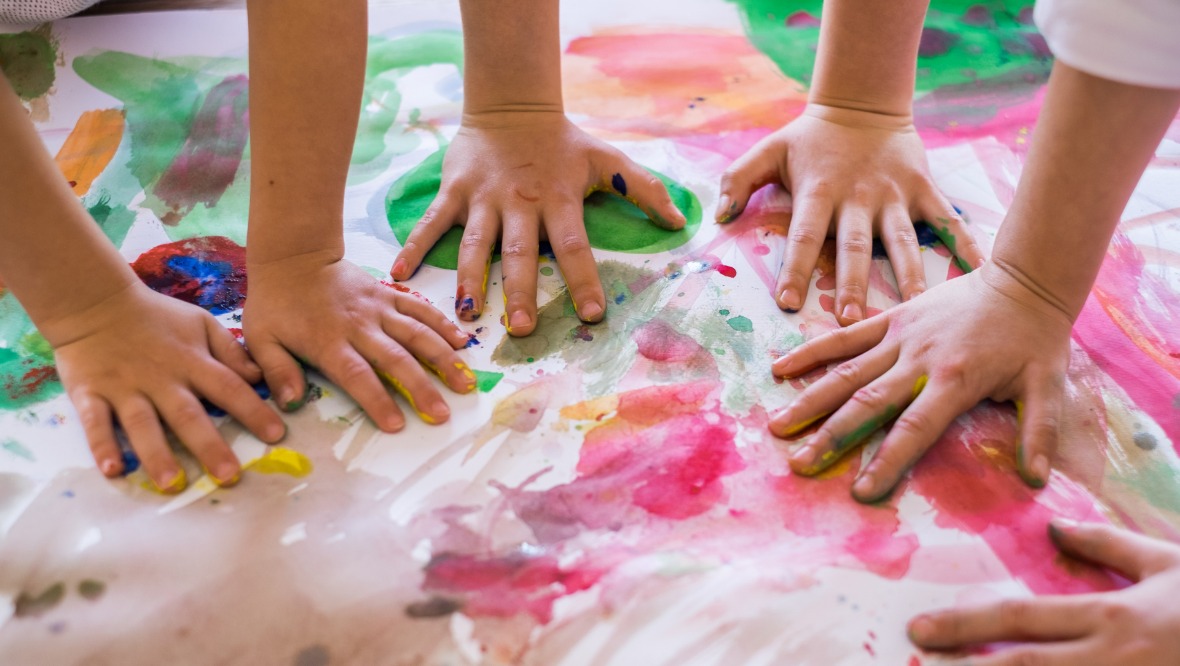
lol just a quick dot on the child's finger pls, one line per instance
(1043, 618)
(432, 351)
(1040, 422)
(224, 389)
(283, 374)
(426, 313)
(912, 434)
(952, 230)
(401, 371)
(142, 425)
(519, 250)
(832, 391)
(1068, 653)
(837, 344)
(226, 348)
(1135, 556)
(901, 242)
(188, 420)
(854, 257)
(95, 416)
(436, 221)
(475, 260)
(645, 190)
(810, 217)
(346, 368)
(567, 236)
(749, 173)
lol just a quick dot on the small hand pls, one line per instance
(148, 359)
(357, 331)
(853, 175)
(925, 362)
(1139, 625)
(523, 176)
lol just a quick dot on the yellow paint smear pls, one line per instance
(920, 385)
(802, 425)
(591, 410)
(90, 147)
(281, 460)
(405, 393)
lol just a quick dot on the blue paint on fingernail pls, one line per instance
(620, 185)
(130, 461)
(471, 341)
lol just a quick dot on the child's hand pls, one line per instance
(1139, 625)
(925, 362)
(523, 176)
(851, 174)
(336, 317)
(145, 358)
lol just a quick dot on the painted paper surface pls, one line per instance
(611, 495)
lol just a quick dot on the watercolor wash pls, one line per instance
(610, 494)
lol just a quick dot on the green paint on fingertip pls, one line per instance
(943, 231)
(486, 381)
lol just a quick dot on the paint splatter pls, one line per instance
(620, 185)
(741, 324)
(281, 460)
(28, 61)
(486, 381)
(36, 605)
(209, 272)
(91, 589)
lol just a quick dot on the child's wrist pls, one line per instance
(856, 113)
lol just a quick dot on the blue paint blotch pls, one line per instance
(620, 185)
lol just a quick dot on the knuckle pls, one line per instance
(473, 240)
(870, 396)
(849, 372)
(516, 249)
(912, 423)
(863, 193)
(652, 183)
(905, 236)
(1029, 657)
(954, 373)
(804, 237)
(1117, 613)
(821, 189)
(188, 415)
(1014, 615)
(858, 244)
(138, 416)
(354, 370)
(573, 243)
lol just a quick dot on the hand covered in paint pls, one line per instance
(1139, 625)
(853, 175)
(925, 362)
(147, 359)
(357, 331)
(522, 177)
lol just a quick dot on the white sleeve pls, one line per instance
(31, 12)
(1130, 41)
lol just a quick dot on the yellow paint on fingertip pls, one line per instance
(405, 393)
(177, 484)
(802, 425)
(487, 269)
(920, 384)
(281, 460)
(1019, 410)
(469, 374)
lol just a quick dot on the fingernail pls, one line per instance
(440, 410)
(227, 474)
(723, 213)
(916, 294)
(467, 307)
(804, 456)
(109, 467)
(519, 320)
(852, 312)
(783, 366)
(399, 269)
(291, 398)
(175, 484)
(394, 423)
(1040, 469)
(275, 431)
(469, 375)
(789, 300)
(864, 485)
(591, 311)
(921, 628)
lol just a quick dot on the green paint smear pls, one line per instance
(28, 605)
(943, 231)
(612, 223)
(486, 381)
(91, 589)
(27, 59)
(17, 449)
(966, 41)
(866, 430)
(742, 324)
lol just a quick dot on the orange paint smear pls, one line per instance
(90, 147)
(675, 83)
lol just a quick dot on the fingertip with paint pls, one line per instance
(172, 486)
(788, 299)
(591, 311)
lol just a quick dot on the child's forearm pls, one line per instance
(512, 57)
(44, 230)
(868, 52)
(1093, 140)
(307, 65)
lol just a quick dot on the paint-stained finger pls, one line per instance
(520, 251)
(1039, 418)
(642, 188)
(399, 369)
(1068, 653)
(832, 346)
(567, 236)
(854, 258)
(1042, 618)
(914, 431)
(189, 421)
(757, 168)
(225, 348)
(810, 218)
(224, 389)
(358, 378)
(1133, 555)
(830, 392)
(94, 413)
(442, 214)
(952, 230)
(432, 351)
(283, 374)
(426, 313)
(475, 261)
(901, 242)
(140, 421)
